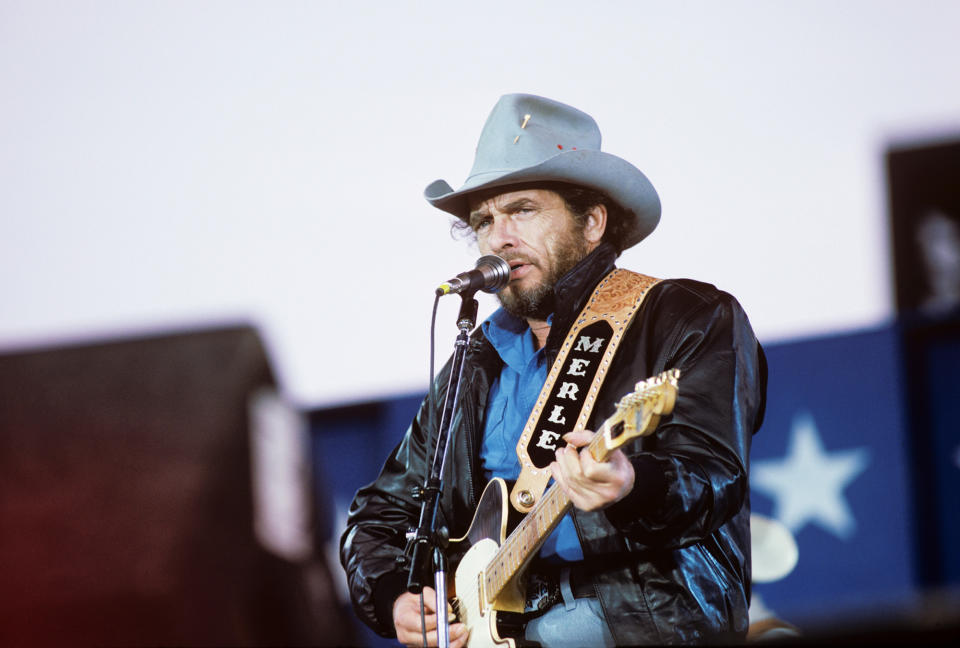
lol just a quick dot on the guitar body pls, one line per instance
(484, 537)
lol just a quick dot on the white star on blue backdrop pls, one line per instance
(807, 484)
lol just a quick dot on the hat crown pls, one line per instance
(525, 130)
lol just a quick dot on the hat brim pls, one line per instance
(614, 176)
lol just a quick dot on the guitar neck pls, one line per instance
(637, 415)
(525, 540)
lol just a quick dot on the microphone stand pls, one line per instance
(428, 540)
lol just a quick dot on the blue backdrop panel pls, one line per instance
(350, 445)
(831, 463)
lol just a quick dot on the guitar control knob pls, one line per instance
(525, 498)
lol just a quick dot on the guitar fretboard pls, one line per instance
(637, 414)
(534, 529)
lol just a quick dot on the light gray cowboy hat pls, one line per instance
(529, 139)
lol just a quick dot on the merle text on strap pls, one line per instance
(574, 380)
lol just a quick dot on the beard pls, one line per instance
(539, 300)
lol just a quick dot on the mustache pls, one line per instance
(517, 256)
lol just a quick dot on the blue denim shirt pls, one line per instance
(512, 397)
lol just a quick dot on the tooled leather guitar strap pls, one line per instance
(574, 380)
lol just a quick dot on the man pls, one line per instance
(656, 548)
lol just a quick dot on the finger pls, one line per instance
(569, 462)
(558, 475)
(406, 609)
(411, 624)
(416, 640)
(577, 495)
(430, 602)
(429, 599)
(414, 637)
(409, 638)
(459, 634)
(584, 480)
(578, 438)
(408, 616)
(610, 482)
(597, 471)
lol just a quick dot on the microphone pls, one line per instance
(491, 274)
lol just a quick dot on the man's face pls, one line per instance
(535, 232)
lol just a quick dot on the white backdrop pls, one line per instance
(173, 164)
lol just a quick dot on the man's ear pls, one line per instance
(595, 225)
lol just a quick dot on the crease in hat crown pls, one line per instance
(529, 139)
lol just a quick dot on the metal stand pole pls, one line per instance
(429, 541)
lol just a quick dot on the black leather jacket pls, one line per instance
(671, 561)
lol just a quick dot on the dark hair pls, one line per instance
(579, 200)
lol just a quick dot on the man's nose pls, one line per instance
(503, 234)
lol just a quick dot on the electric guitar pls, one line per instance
(490, 577)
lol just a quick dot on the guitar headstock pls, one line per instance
(639, 412)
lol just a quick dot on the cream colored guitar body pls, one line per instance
(480, 620)
(486, 534)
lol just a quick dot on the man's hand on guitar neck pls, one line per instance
(406, 620)
(591, 485)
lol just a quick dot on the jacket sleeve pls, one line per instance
(691, 474)
(373, 543)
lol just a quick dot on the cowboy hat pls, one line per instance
(529, 139)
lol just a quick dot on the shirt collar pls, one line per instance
(511, 337)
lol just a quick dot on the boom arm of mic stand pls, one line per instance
(428, 539)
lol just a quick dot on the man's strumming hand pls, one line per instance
(406, 620)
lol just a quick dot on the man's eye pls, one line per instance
(480, 225)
